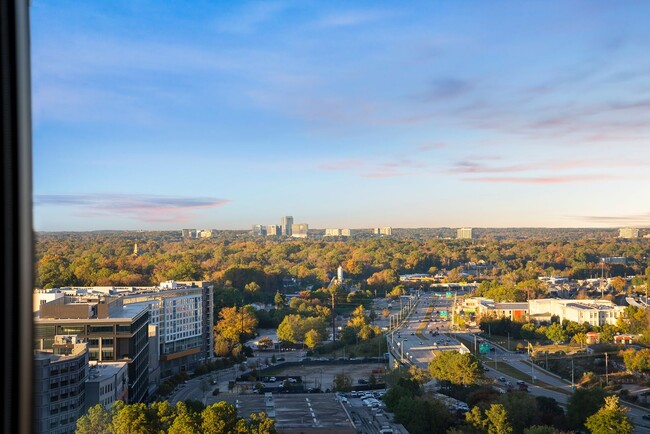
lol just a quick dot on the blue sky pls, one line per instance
(216, 114)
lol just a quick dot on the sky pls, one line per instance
(223, 114)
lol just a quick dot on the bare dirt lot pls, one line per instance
(324, 375)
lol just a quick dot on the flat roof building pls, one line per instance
(113, 331)
(107, 383)
(594, 312)
(60, 372)
(465, 233)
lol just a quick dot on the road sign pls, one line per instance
(484, 347)
(448, 294)
(443, 313)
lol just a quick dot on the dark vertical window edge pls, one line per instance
(17, 227)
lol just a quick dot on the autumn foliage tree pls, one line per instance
(234, 325)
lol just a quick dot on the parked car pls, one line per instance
(502, 379)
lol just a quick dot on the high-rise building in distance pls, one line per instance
(465, 233)
(272, 230)
(383, 231)
(299, 230)
(287, 223)
(259, 230)
(628, 233)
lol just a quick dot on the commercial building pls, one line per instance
(594, 312)
(60, 373)
(272, 230)
(113, 331)
(481, 306)
(107, 383)
(465, 233)
(286, 225)
(259, 230)
(299, 230)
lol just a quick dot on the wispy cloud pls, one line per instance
(541, 179)
(142, 207)
(430, 146)
(618, 220)
(351, 18)
(341, 165)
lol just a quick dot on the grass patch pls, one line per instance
(423, 324)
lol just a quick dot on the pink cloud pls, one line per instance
(142, 207)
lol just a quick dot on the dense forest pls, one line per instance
(108, 259)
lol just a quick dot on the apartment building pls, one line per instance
(181, 314)
(465, 233)
(60, 372)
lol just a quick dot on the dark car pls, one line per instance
(645, 417)
(502, 379)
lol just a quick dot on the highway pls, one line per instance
(413, 341)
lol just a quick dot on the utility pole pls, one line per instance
(606, 371)
(602, 278)
(572, 379)
(508, 341)
(333, 319)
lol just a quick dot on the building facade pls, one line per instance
(60, 373)
(383, 231)
(286, 225)
(299, 230)
(259, 230)
(594, 312)
(273, 230)
(113, 331)
(465, 233)
(628, 233)
(182, 312)
(107, 383)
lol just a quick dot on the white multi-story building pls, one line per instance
(182, 314)
(383, 231)
(465, 233)
(628, 233)
(594, 312)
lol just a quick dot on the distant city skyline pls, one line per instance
(158, 115)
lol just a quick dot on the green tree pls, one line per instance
(131, 419)
(342, 382)
(260, 423)
(637, 361)
(457, 368)
(185, 422)
(610, 418)
(582, 404)
(96, 420)
(219, 418)
(556, 333)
